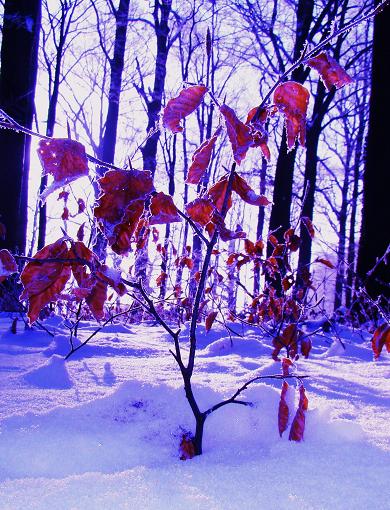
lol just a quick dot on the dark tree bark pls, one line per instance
(117, 64)
(19, 50)
(375, 237)
(161, 14)
(282, 197)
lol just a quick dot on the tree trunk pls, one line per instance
(260, 225)
(374, 238)
(19, 52)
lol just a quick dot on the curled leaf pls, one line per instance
(217, 194)
(298, 425)
(163, 210)
(121, 205)
(239, 134)
(283, 412)
(308, 225)
(292, 99)
(242, 188)
(210, 320)
(8, 265)
(179, 107)
(44, 281)
(306, 346)
(380, 339)
(64, 159)
(331, 72)
(201, 159)
(325, 262)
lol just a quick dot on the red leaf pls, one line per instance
(121, 205)
(210, 320)
(163, 210)
(65, 214)
(161, 278)
(201, 159)
(200, 211)
(330, 71)
(225, 233)
(298, 425)
(286, 364)
(81, 204)
(292, 99)
(64, 159)
(217, 194)
(242, 188)
(380, 339)
(283, 413)
(112, 277)
(309, 226)
(306, 346)
(96, 299)
(259, 133)
(239, 134)
(43, 282)
(8, 265)
(187, 446)
(80, 233)
(63, 195)
(179, 107)
(326, 262)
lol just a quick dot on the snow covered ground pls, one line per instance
(101, 431)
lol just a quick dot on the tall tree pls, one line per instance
(19, 50)
(374, 240)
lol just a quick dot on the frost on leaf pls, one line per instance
(292, 99)
(43, 282)
(242, 188)
(283, 412)
(200, 210)
(163, 210)
(259, 133)
(179, 107)
(201, 159)
(380, 339)
(8, 265)
(331, 72)
(121, 205)
(64, 159)
(298, 425)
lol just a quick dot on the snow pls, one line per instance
(101, 430)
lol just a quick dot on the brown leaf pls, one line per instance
(121, 205)
(298, 425)
(309, 225)
(380, 339)
(201, 159)
(179, 107)
(283, 413)
(239, 134)
(326, 262)
(200, 211)
(217, 194)
(242, 188)
(64, 159)
(8, 265)
(43, 282)
(210, 320)
(292, 99)
(331, 72)
(163, 210)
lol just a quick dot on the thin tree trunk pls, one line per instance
(260, 225)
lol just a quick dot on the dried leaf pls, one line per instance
(306, 346)
(200, 211)
(179, 107)
(239, 134)
(187, 446)
(163, 210)
(380, 339)
(81, 204)
(242, 188)
(44, 281)
(121, 205)
(201, 159)
(326, 262)
(331, 72)
(292, 99)
(8, 265)
(96, 299)
(210, 320)
(64, 159)
(217, 194)
(298, 425)
(309, 226)
(283, 413)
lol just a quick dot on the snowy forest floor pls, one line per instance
(101, 431)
